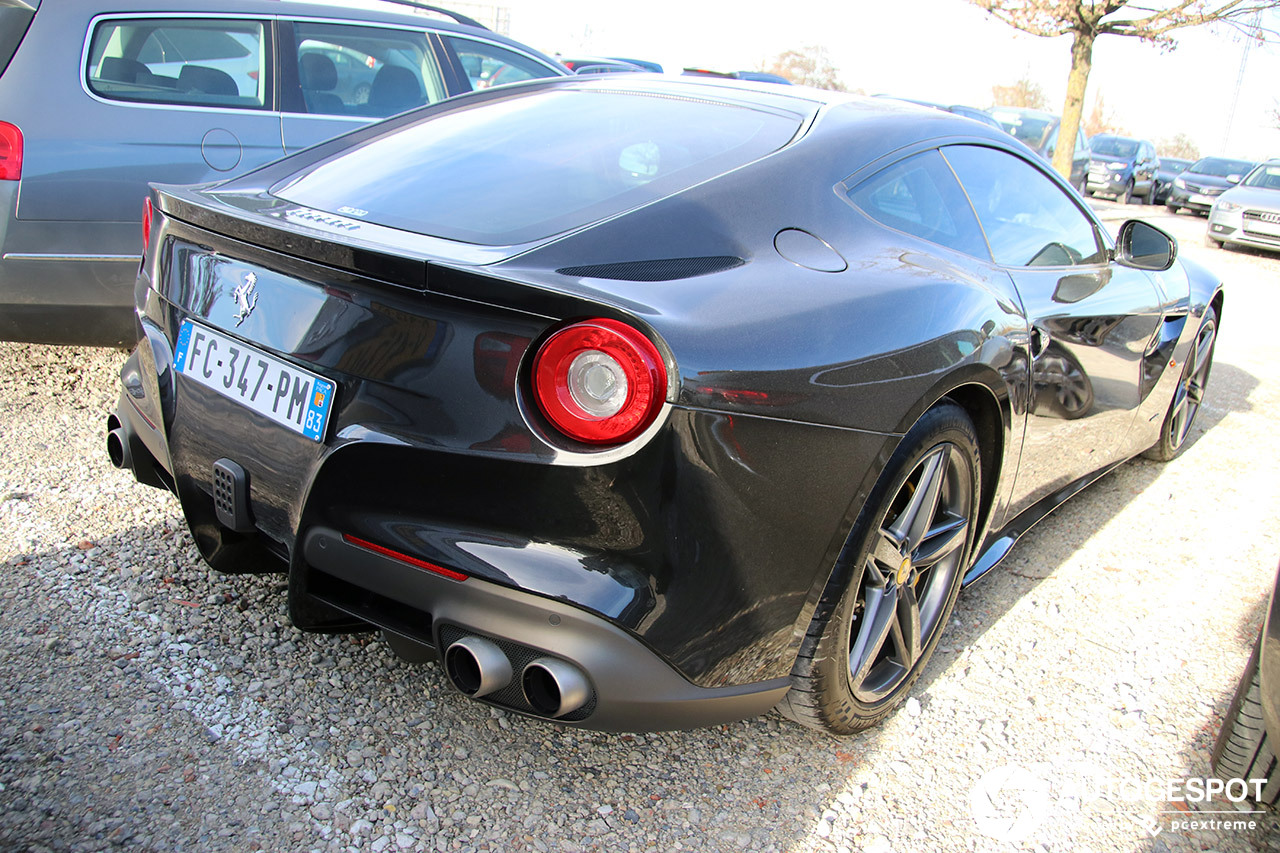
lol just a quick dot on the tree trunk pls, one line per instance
(1073, 108)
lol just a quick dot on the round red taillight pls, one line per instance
(599, 381)
(146, 224)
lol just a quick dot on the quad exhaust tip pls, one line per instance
(554, 688)
(118, 449)
(477, 667)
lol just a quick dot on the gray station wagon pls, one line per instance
(98, 99)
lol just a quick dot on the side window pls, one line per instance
(215, 63)
(1081, 145)
(1029, 221)
(487, 65)
(365, 71)
(919, 195)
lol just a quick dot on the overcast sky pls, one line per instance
(942, 50)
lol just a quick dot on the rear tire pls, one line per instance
(1189, 395)
(892, 593)
(1243, 749)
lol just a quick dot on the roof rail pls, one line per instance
(453, 16)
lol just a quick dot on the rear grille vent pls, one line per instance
(667, 269)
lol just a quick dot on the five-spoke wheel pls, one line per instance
(890, 598)
(910, 573)
(1189, 395)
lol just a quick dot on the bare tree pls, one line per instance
(811, 66)
(1021, 93)
(1179, 145)
(1086, 20)
(1102, 120)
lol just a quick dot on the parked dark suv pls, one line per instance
(99, 99)
(1123, 167)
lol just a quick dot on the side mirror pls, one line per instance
(1143, 246)
(1234, 179)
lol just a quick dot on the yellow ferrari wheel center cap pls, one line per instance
(904, 570)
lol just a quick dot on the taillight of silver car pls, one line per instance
(10, 152)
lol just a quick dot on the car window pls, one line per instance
(365, 71)
(216, 63)
(1082, 144)
(538, 164)
(920, 196)
(1028, 219)
(487, 65)
(1266, 176)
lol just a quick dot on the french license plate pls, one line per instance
(279, 391)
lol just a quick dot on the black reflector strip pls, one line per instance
(667, 269)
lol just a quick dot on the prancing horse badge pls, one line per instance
(246, 297)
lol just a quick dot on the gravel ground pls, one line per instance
(149, 704)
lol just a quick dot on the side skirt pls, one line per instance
(1001, 543)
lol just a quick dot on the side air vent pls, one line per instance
(665, 269)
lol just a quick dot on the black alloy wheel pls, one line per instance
(1189, 395)
(880, 619)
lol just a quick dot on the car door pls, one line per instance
(1090, 320)
(171, 99)
(336, 77)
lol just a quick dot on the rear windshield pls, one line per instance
(15, 17)
(527, 167)
(1221, 167)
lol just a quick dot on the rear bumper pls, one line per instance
(79, 325)
(631, 688)
(66, 282)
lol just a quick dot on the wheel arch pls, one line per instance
(981, 393)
